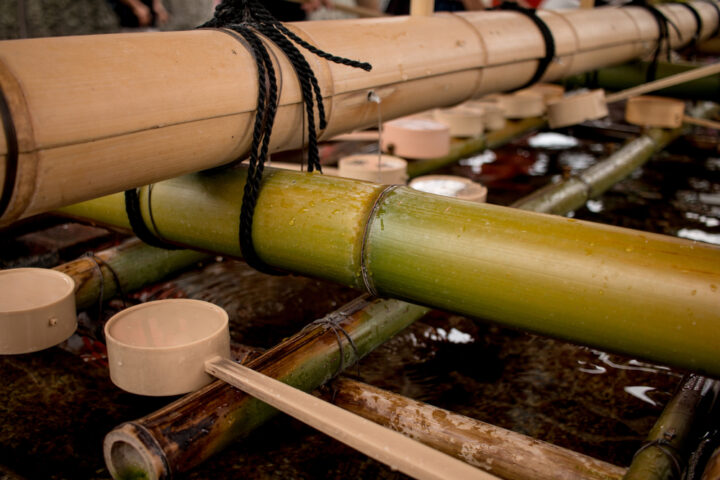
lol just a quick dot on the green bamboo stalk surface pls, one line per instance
(646, 295)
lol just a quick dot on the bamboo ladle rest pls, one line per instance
(169, 347)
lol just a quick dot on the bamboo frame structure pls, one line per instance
(127, 434)
(485, 446)
(99, 106)
(169, 440)
(613, 288)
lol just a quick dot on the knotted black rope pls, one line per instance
(664, 25)
(546, 33)
(698, 22)
(250, 19)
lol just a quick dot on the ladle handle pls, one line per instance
(387, 446)
(670, 81)
(701, 122)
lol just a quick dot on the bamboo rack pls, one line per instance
(642, 294)
(210, 444)
(158, 445)
(100, 107)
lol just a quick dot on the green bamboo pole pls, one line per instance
(641, 294)
(135, 263)
(193, 428)
(462, 148)
(572, 193)
(629, 75)
(663, 455)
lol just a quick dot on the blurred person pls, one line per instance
(143, 14)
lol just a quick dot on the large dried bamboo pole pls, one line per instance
(99, 107)
(462, 148)
(504, 453)
(193, 428)
(629, 75)
(664, 453)
(642, 294)
(135, 263)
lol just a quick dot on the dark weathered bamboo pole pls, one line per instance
(502, 452)
(665, 451)
(99, 106)
(629, 75)
(135, 263)
(463, 148)
(191, 429)
(643, 294)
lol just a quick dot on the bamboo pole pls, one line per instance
(135, 263)
(398, 451)
(509, 455)
(677, 79)
(463, 148)
(629, 75)
(572, 193)
(663, 455)
(99, 106)
(193, 428)
(641, 294)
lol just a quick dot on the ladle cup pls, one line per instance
(168, 347)
(37, 309)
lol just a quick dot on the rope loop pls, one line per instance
(664, 24)
(546, 33)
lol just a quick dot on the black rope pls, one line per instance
(137, 223)
(698, 22)
(333, 322)
(252, 21)
(11, 156)
(99, 263)
(546, 33)
(664, 25)
(716, 32)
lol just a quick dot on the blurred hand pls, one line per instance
(161, 14)
(312, 5)
(143, 14)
